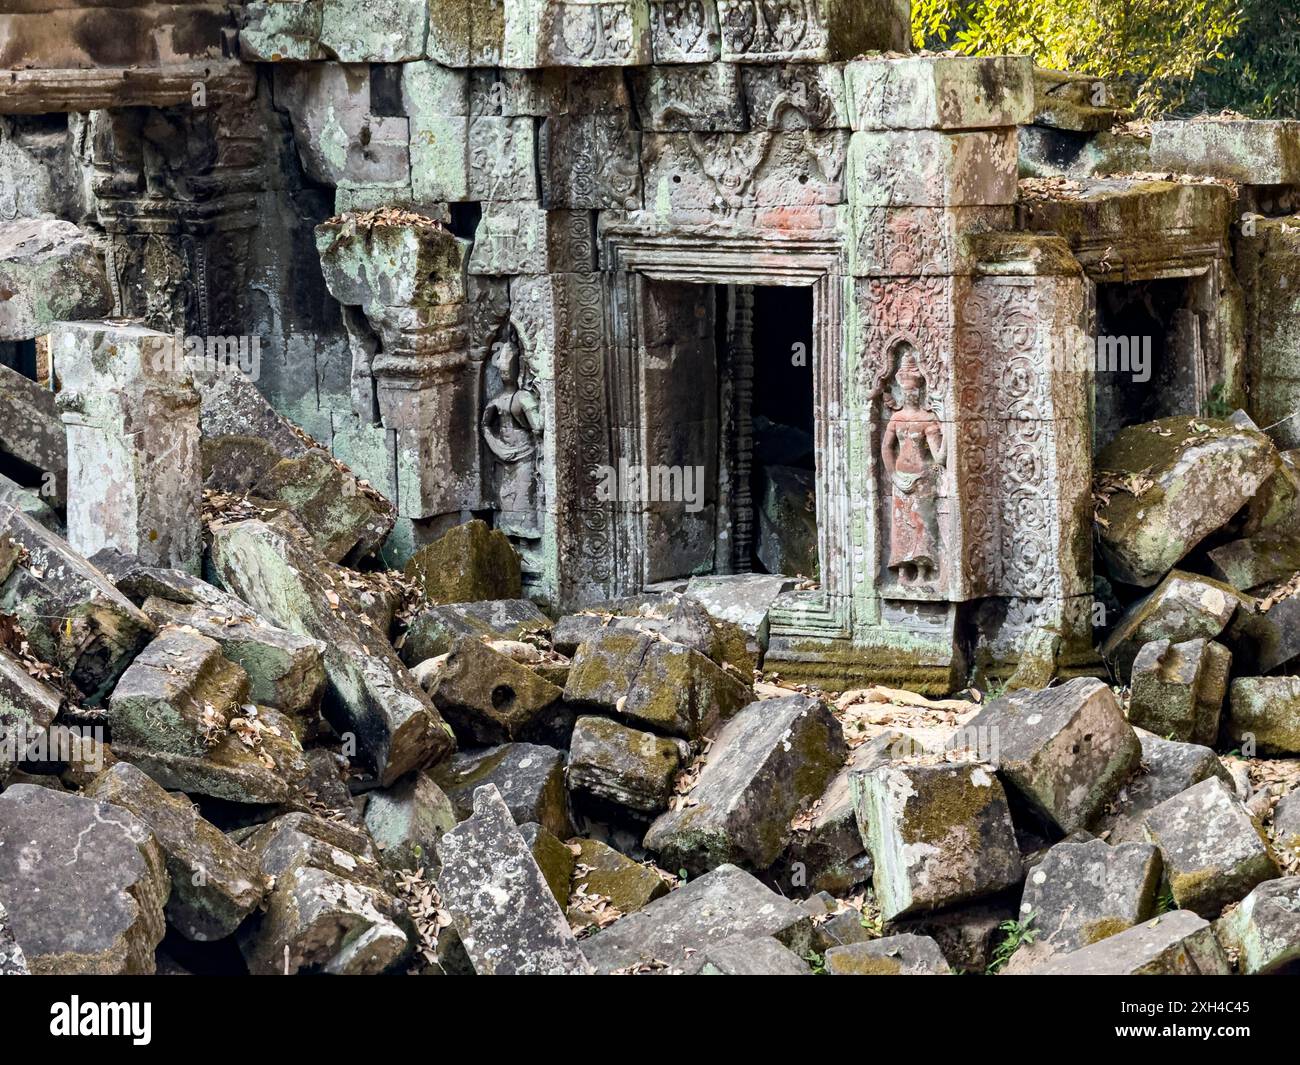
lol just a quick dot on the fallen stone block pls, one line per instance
(28, 708)
(649, 681)
(1265, 711)
(839, 930)
(1197, 481)
(902, 955)
(624, 767)
(753, 957)
(554, 858)
(51, 272)
(435, 630)
(407, 820)
(84, 883)
(215, 883)
(600, 870)
(938, 835)
(1174, 944)
(306, 839)
(30, 502)
(1178, 689)
(969, 935)
(1213, 851)
(32, 432)
(1248, 151)
(769, 762)
(1286, 823)
(1267, 556)
(1066, 750)
(1083, 891)
(1266, 640)
(370, 693)
(1264, 931)
(940, 92)
(467, 564)
(673, 934)
(73, 616)
(529, 777)
(487, 698)
(743, 599)
(500, 903)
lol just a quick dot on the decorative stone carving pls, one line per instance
(808, 31)
(795, 97)
(940, 92)
(682, 99)
(684, 31)
(590, 162)
(512, 425)
(576, 33)
(928, 169)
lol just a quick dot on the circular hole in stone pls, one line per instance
(502, 696)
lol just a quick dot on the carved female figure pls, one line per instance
(512, 426)
(913, 451)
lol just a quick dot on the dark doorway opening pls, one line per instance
(20, 355)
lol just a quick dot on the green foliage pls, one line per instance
(1153, 47)
(1260, 75)
(1014, 935)
(816, 962)
(1165, 901)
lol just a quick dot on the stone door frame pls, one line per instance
(815, 262)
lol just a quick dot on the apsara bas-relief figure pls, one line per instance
(512, 426)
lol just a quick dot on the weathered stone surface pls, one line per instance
(499, 901)
(435, 630)
(1252, 152)
(940, 92)
(1265, 711)
(74, 618)
(1213, 851)
(818, 32)
(1174, 944)
(12, 960)
(522, 238)
(84, 883)
(767, 763)
(1075, 103)
(1264, 931)
(628, 768)
(902, 955)
(52, 272)
(650, 681)
(1248, 563)
(28, 708)
(488, 698)
(1082, 892)
(276, 31)
(590, 162)
(687, 99)
(1178, 689)
(1199, 479)
(753, 957)
(284, 669)
(30, 429)
(370, 693)
(1167, 768)
(742, 599)
(407, 820)
(467, 564)
(553, 857)
(674, 933)
(215, 884)
(628, 885)
(1065, 750)
(938, 835)
(787, 522)
(391, 31)
(1266, 640)
(29, 502)
(561, 33)
(795, 97)
(945, 170)
(968, 935)
(529, 777)
(1286, 822)
(1184, 607)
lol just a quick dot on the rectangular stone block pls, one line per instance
(814, 31)
(930, 169)
(522, 238)
(1252, 152)
(590, 162)
(684, 31)
(576, 33)
(940, 92)
(682, 99)
(277, 31)
(374, 31)
(502, 159)
(920, 241)
(802, 96)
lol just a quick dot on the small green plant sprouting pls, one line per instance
(1165, 902)
(817, 962)
(1216, 406)
(1015, 934)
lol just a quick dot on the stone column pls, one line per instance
(131, 414)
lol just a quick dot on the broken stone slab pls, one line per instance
(1247, 151)
(1214, 853)
(32, 432)
(84, 883)
(1066, 750)
(1286, 822)
(625, 767)
(1267, 556)
(487, 697)
(1184, 607)
(28, 708)
(554, 858)
(1265, 711)
(469, 563)
(673, 934)
(940, 92)
(1264, 931)
(946, 169)
(1179, 943)
(839, 930)
(528, 776)
(626, 885)
(370, 693)
(500, 903)
(73, 616)
(285, 670)
(1266, 639)
(769, 762)
(938, 835)
(1168, 768)
(215, 883)
(303, 839)
(51, 273)
(652, 682)
(742, 599)
(436, 629)
(12, 960)
(1198, 479)
(178, 696)
(1178, 689)
(29, 502)
(1076, 103)
(131, 414)
(1083, 891)
(753, 957)
(901, 955)
(407, 820)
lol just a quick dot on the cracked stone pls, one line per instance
(528, 776)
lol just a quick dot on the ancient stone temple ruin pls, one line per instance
(437, 421)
